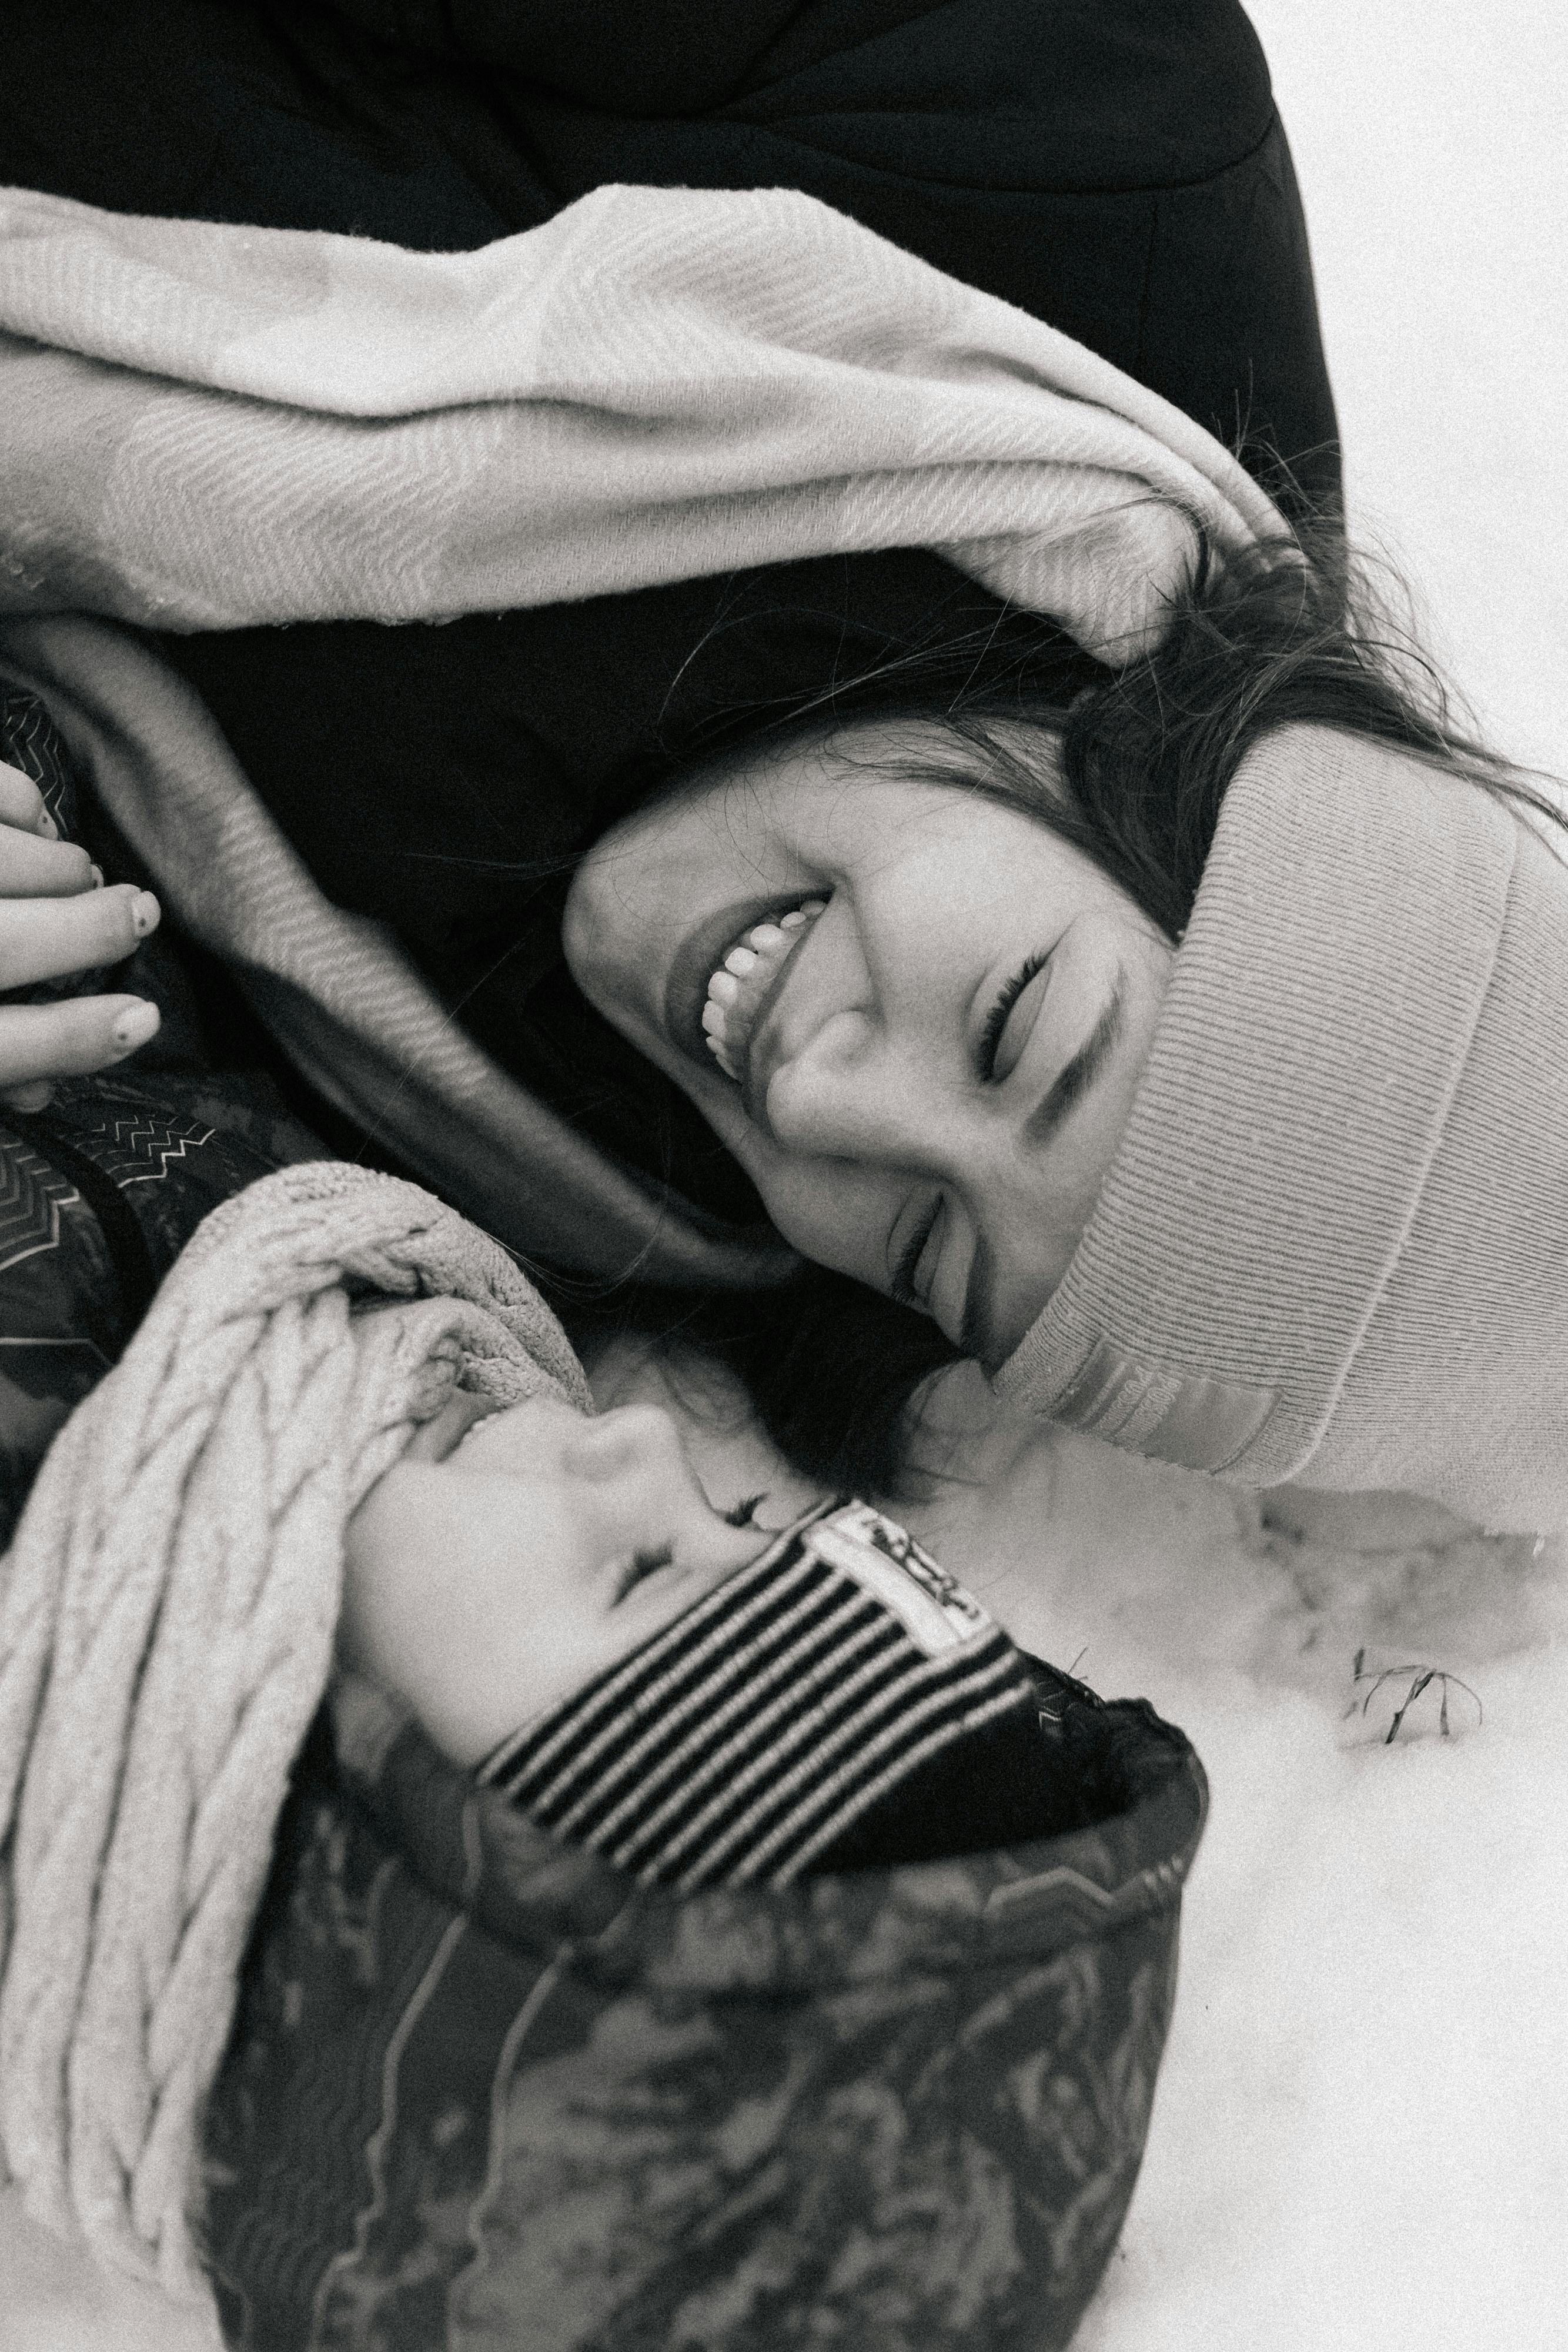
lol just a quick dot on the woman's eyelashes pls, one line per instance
(913, 1276)
(997, 1018)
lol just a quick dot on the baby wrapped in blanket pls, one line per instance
(672, 1934)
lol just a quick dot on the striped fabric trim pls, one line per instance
(738, 1743)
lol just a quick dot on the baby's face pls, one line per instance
(505, 1562)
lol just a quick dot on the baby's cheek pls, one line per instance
(422, 1600)
(371, 1621)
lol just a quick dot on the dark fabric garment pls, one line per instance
(100, 1191)
(483, 2089)
(1115, 167)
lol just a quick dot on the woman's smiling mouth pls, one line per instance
(745, 983)
(727, 973)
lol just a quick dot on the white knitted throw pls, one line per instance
(205, 427)
(167, 1619)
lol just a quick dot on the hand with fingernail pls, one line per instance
(58, 917)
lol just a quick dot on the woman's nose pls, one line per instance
(851, 1094)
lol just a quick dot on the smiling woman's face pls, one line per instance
(928, 1011)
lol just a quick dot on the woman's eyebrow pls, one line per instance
(1067, 1090)
(1070, 1084)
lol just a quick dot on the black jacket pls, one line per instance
(1115, 167)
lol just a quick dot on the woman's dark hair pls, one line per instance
(1134, 768)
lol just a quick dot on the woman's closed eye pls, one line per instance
(913, 1273)
(997, 1018)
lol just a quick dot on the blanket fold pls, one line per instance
(208, 426)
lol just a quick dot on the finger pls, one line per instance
(32, 868)
(66, 1041)
(38, 1095)
(22, 803)
(43, 938)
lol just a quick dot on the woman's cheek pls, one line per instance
(591, 938)
(830, 1211)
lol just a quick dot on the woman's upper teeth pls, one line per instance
(738, 984)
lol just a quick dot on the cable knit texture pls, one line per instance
(206, 426)
(166, 1631)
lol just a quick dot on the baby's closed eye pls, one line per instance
(643, 1562)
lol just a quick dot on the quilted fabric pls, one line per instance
(484, 2094)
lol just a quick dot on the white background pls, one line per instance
(1430, 142)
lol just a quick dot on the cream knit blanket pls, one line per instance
(167, 1615)
(205, 426)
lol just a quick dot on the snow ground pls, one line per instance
(1361, 2133)
(1360, 2130)
(1430, 145)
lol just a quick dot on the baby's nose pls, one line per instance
(629, 1438)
